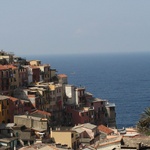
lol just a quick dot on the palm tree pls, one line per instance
(144, 123)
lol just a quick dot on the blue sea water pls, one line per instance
(123, 79)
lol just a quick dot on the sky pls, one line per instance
(43, 27)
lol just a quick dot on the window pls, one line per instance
(72, 135)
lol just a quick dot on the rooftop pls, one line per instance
(62, 75)
(40, 112)
(2, 97)
(35, 60)
(13, 98)
(89, 125)
(6, 67)
(110, 140)
(85, 125)
(93, 99)
(110, 104)
(79, 130)
(41, 146)
(104, 129)
(28, 117)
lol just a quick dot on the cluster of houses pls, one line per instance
(38, 106)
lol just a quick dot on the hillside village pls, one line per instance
(39, 109)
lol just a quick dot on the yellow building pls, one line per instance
(35, 62)
(56, 95)
(4, 109)
(71, 138)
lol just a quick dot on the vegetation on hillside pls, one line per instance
(144, 123)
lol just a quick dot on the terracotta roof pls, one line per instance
(3, 68)
(62, 75)
(10, 66)
(13, 98)
(104, 129)
(41, 112)
(6, 67)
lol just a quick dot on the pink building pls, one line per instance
(100, 112)
(23, 76)
(62, 78)
(82, 107)
(35, 73)
(75, 115)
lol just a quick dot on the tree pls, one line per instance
(144, 123)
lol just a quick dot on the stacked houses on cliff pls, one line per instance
(33, 96)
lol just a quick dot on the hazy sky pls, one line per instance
(79, 26)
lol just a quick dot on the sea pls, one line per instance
(123, 79)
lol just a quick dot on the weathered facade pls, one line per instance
(71, 139)
(35, 123)
(4, 109)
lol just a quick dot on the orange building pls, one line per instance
(4, 109)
